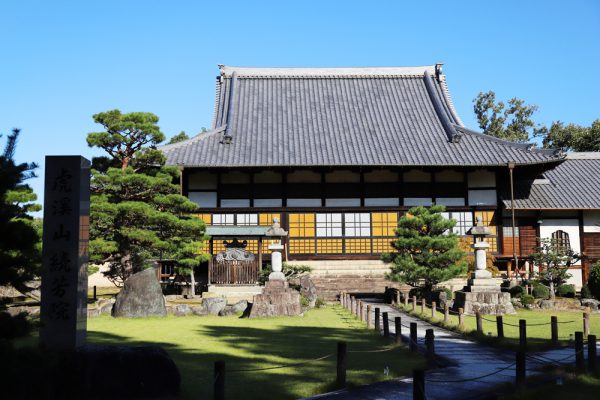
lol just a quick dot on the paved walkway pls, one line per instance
(465, 377)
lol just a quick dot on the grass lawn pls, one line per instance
(195, 343)
(538, 336)
(585, 387)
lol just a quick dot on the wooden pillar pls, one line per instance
(260, 243)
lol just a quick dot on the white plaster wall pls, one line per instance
(591, 221)
(570, 226)
(481, 178)
(576, 278)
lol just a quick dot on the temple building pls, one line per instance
(339, 154)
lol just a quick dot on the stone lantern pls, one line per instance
(277, 298)
(482, 293)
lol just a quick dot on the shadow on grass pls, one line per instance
(249, 348)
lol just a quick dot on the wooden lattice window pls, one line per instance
(560, 241)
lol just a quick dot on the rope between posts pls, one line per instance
(472, 379)
(282, 366)
(374, 351)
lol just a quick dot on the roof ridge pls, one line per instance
(583, 155)
(322, 72)
(193, 139)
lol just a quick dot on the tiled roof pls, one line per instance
(572, 184)
(341, 116)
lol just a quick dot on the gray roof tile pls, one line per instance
(346, 117)
(572, 184)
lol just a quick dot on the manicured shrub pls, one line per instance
(540, 292)
(516, 291)
(586, 293)
(527, 299)
(566, 291)
(319, 303)
(594, 280)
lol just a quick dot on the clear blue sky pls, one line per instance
(61, 62)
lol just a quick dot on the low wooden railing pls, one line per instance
(233, 272)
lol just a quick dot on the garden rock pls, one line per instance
(141, 296)
(238, 307)
(182, 310)
(516, 303)
(546, 304)
(210, 306)
(591, 303)
(126, 372)
(308, 290)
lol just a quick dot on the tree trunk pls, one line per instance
(552, 295)
(193, 281)
(127, 265)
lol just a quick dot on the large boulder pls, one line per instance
(308, 290)
(141, 296)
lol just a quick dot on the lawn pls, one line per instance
(195, 343)
(538, 324)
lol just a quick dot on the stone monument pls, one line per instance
(277, 298)
(482, 293)
(65, 252)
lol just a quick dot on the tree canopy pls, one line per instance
(514, 122)
(20, 236)
(427, 252)
(571, 136)
(125, 135)
(137, 212)
(180, 137)
(511, 121)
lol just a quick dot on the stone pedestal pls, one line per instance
(276, 299)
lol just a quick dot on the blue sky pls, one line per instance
(61, 62)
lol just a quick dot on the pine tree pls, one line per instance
(137, 212)
(20, 237)
(427, 252)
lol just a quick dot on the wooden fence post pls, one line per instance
(579, 356)
(430, 346)
(386, 325)
(433, 309)
(95, 296)
(446, 314)
(361, 309)
(368, 315)
(554, 329)
(479, 323)
(520, 369)
(413, 337)
(342, 299)
(377, 326)
(592, 354)
(461, 318)
(219, 383)
(500, 326)
(418, 384)
(398, 329)
(356, 306)
(414, 301)
(341, 363)
(422, 306)
(397, 296)
(523, 335)
(586, 323)
(405, 300)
